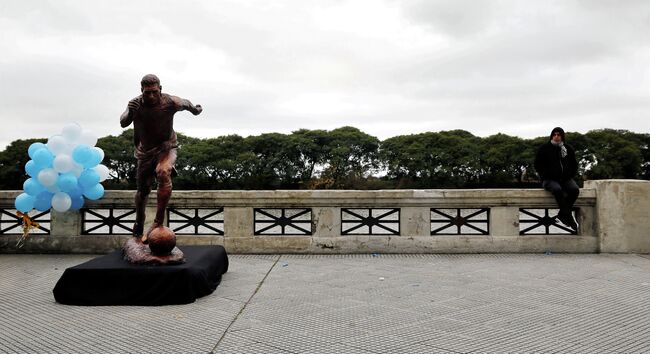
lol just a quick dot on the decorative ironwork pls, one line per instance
(12, 224)
(540, 222)
(370, 221)
(107, 221)
(282, 221)
(195, 221)
(460, 221)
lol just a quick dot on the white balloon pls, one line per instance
(48, 177)
(56, 144)
(61, 202)
(53, 189)
(77, 169)
(101, 153)
(87, 138)
(68, 148)
(63, 163)
(103, 172)
(71, 132)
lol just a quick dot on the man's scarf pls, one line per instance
(562, 147)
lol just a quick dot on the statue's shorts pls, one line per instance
(158, 165)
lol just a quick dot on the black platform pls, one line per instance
(109, 280)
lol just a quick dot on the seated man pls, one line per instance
(557, 166)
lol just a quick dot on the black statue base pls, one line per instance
(110, 280)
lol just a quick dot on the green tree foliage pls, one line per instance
(505, 159)
(118, 157)
(616, 154)
(311, 149)
(226, 162)
(445, 159)
(644, 146)
(276, 164)
(349, 158)
(12, 163)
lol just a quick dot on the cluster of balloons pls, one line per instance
(63, 172)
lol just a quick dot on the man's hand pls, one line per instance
(134, 105)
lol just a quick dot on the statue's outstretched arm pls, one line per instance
(185, 104)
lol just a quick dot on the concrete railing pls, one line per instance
(613, 217)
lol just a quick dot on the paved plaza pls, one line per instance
(546, 303)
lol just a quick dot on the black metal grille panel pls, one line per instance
(107, 221)
(195, 221)
(370, 221)
(542, 221)
(282, 221)
(460, 221)
(12, 224)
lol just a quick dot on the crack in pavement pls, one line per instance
(277, 259)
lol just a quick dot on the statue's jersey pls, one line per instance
(154, 126)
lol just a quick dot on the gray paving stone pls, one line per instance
(351, 304)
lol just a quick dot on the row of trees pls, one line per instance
(349, 158)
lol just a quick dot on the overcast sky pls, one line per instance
(387, 67)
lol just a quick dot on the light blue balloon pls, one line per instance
(32, 187)
(43, 158)
(77, 202)
(95, 159)
(32, 169)
(88, 179)
(25, 202)
(82, 154)
(94, 193)
(35, 147)
(66, 182)
(43, 201)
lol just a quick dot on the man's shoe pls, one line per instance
(568, 220)
(571, 222)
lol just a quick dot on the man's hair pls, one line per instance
(149, 80)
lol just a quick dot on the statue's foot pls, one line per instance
(137, 229)
(145, 237)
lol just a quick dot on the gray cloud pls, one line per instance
(387, 67)
(458, 18)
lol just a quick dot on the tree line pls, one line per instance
(347, 158)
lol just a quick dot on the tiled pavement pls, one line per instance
(351, 304)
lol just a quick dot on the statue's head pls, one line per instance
(150, 87)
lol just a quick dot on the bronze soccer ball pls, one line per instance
(162, 241)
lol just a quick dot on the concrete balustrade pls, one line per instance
(613, 217)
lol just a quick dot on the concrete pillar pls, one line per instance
(623, 215)
(326, 221)
(504, 221)
(65, 224)
(238, 229)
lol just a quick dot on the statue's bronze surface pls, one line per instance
(137, 252)
(152, 115)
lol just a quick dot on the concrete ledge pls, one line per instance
(613, 218)
(410, 197)
(329, 245)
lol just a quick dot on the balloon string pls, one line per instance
(28, 224)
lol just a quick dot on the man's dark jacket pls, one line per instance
(550, 165)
